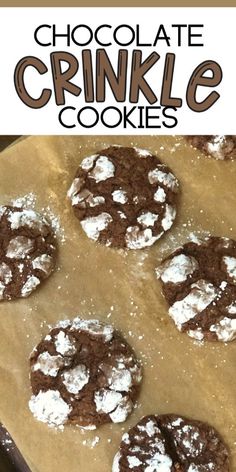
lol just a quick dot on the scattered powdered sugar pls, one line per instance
(49, 407)
(43, 262)
(29, 285)
(19, 247)
(147, 219)
(93, 327)
(230, 263)
(107, 400)
(170, 214)
(103, 169)
(27, 201)
(94, 224)
(160, 195)
(201, 295)
(75, 379)
(167, 179)
(48, 364)
(119, 196)
(177, 269)
(64, 345)
(138, 239)
(225, 329)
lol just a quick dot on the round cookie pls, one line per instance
(83, 372)
(219, 147)
(124, 197)
(199, 284)
(169, 443)
(27, 251)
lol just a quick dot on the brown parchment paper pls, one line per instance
(180, 375)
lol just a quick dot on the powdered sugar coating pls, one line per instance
(160, 195)
(225, 329)
(138, 239)
(117, 204)
(168, 443)
(200, 296)
(177, 270)
(19, 247)
(48, 365)
(43, 262)
(198, 282)
(230, 263)
(103, 170)
(49, 407)
(119, 196)
(28, 218)
(95, 224)
(170, 214)
(147, 219)
(75, 379)
(93, 369)
(28, 251)
(64, 345)
(167, 179)
(5, 274)
(94, 327)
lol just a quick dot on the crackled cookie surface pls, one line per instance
(199, 284)
(169, 443)
(219, 147)
(124, 197)
(83, 372)
(27, 251)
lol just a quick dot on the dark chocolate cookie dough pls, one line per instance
(27, 251)
(124, 197)
(219, 147)
(199, 284)
(169, 443)
(83, 372)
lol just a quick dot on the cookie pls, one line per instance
(124, 197)
(169, 443)
(199, 284)
(27, 251)
(84, 373)
(219, 147)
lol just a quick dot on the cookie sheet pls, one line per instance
(118, 286)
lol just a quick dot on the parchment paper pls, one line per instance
(181, 375)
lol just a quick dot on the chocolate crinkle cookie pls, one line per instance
(27, 251)
(124, 197)
(84, 373)
(199, 284)
(169, 443)
(219, 147)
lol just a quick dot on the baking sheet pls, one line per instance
(118, 286)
